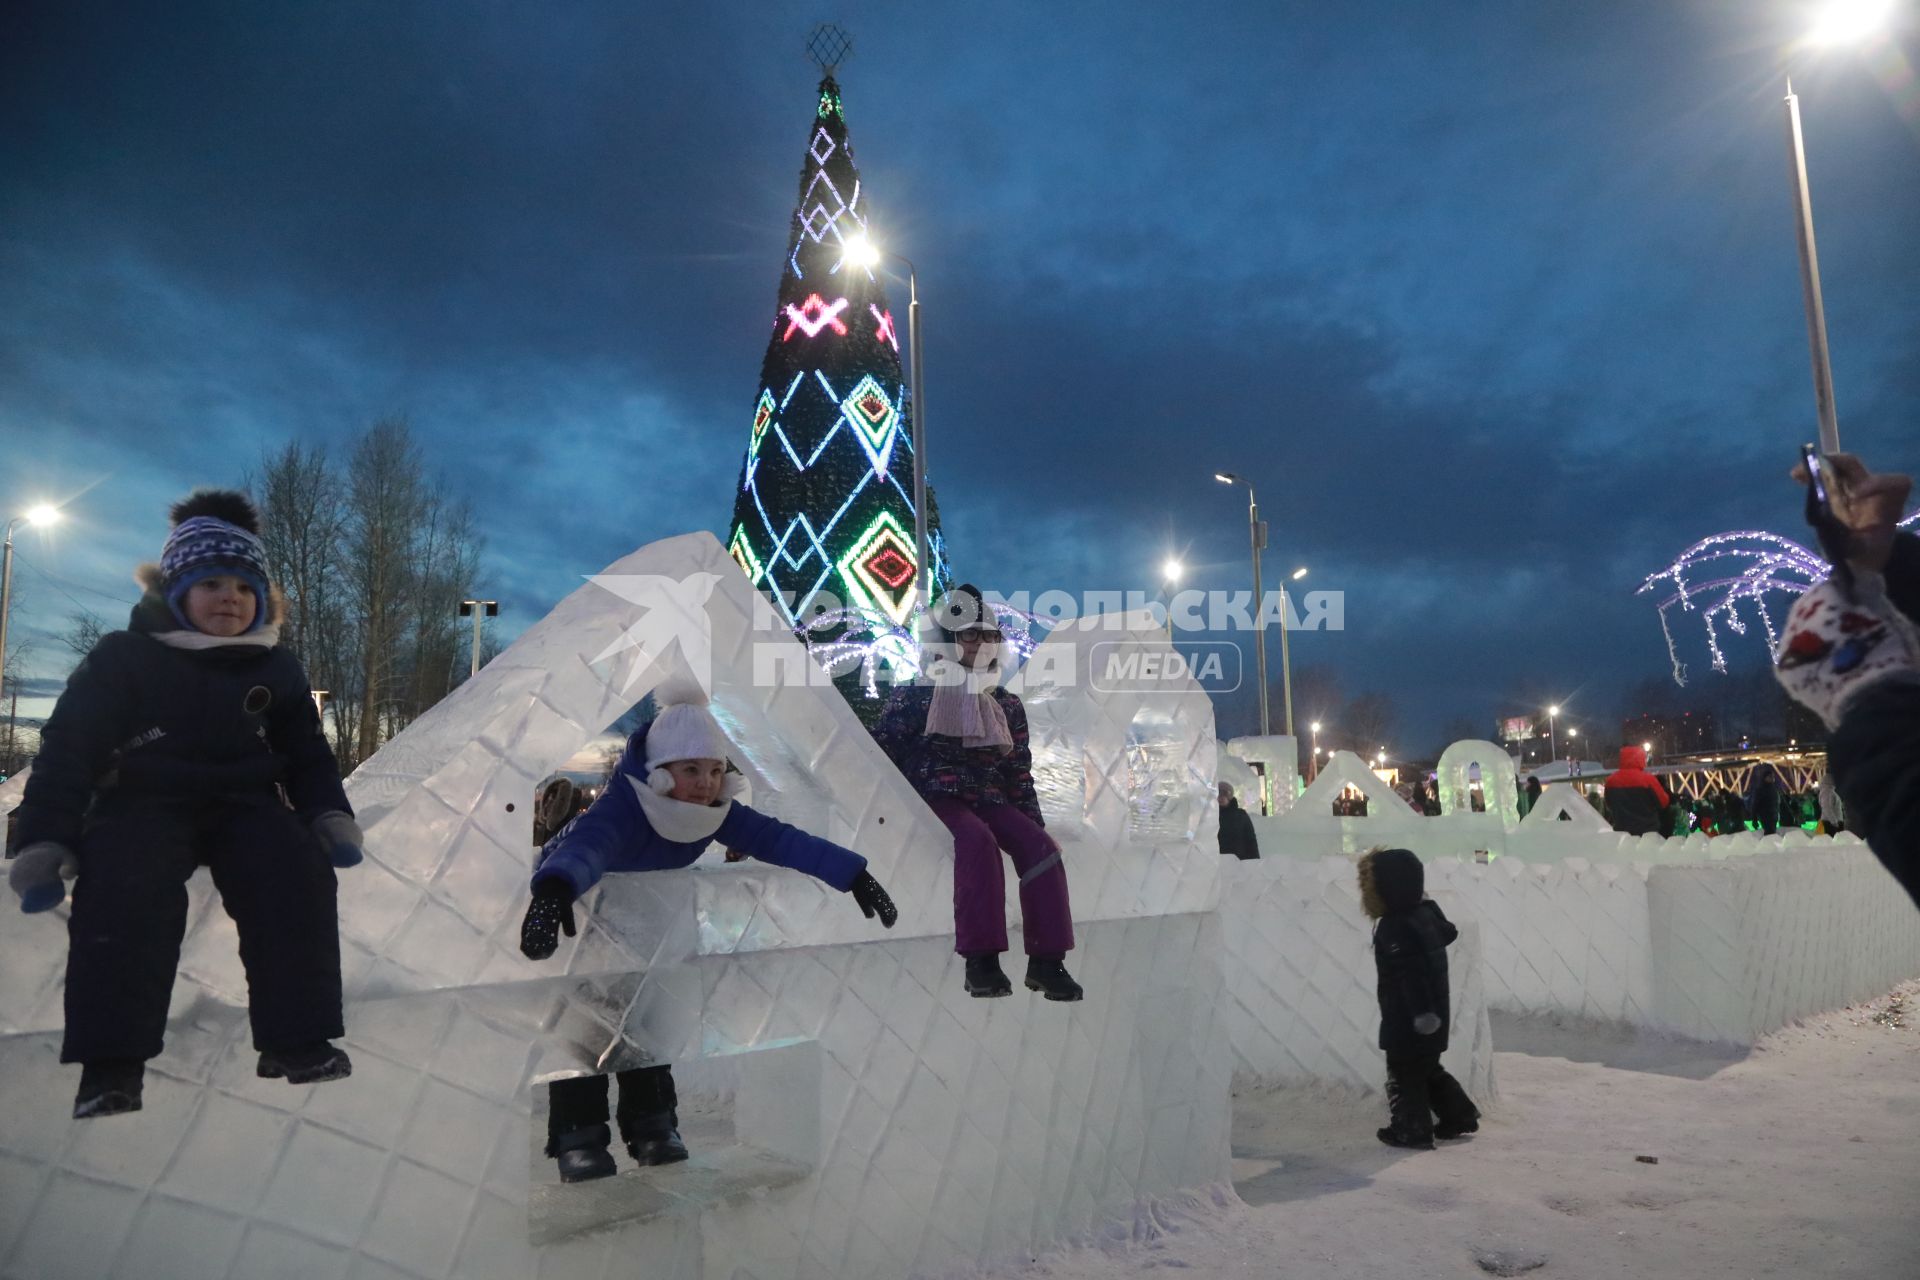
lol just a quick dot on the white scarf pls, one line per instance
(678, 820)
(265, 638)
(966, 709)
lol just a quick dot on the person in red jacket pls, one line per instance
(1636, 802)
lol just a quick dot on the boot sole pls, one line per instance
(317, 1075)
(592, 1175)
(1063, 999)
(107, 1104)
(989, 993)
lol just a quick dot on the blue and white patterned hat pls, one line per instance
(206, 545)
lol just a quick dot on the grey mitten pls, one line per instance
(39, 874)
(341, 837)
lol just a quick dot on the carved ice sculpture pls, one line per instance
(1279, 755)
(928, 1131)
(1558, 798)
(1499, 784)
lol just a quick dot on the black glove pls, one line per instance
(550, 911)
(873, 899)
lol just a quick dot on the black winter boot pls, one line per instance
(308, 1064)
(985, 979)
(1456, 1128)
(1397, 1138)
(109, 1088)
(654, 1139)
(582, 1153)
(1048, 975)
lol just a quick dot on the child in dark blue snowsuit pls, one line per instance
(668, 799)
(1410, 940)
(191, 738)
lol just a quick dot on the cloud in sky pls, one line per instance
(1497, 305)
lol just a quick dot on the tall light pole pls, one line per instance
(1842, 22)
(1257, 536)
(1315, 728)
(1553, 750)
(1171, 571)
(863, 252)
(478, 609)
(42, 514)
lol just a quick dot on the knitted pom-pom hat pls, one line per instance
(216, 532)
(684, 729)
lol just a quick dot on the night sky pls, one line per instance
(1497, 303)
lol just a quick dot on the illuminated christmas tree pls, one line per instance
(824, 512)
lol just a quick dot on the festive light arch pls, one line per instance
(1700, 580)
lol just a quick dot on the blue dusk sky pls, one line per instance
(1497, 303)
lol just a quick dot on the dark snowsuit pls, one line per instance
(1635, 801)
(1763, 798)
(987, 800)
(1874, 755)
(1236, 832)
(159, 759)
(1410, 939)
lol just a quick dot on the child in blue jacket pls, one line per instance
(670, 797)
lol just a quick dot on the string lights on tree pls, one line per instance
(823, 516)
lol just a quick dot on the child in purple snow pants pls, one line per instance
(961, 740)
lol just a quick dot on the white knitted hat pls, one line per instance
(683, 730)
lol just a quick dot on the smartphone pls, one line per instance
(1827, 529)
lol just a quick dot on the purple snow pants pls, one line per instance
(980, 879)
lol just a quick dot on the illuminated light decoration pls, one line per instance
(1700, 581)
(874, 419)
(821, 510)
(870, 569)
(813, 315)
(762, 416)
(742, 552)
(872, 641)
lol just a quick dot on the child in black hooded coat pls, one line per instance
(189, 739)
(1410, 940)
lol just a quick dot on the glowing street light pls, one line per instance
(1841, 22)
(1553, 749)
(1314, 728)
(1172, 570)
(42, 513)
(863, 252)
(1300, 573)
(1844, 21)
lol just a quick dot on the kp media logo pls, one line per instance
(1122, 667)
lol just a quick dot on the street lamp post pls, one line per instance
(1171, 571)
(1314, 728)
(1844, 21)
(1257, 536)
(478, 609)
(42, 514)
(1553, 750)
(1810, 281)
(863, 252)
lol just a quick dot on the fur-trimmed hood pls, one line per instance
(1391, 880)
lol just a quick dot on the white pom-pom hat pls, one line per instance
(685, 729)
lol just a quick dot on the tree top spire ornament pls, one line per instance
(829, 45)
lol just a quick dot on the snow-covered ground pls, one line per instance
(1799, 1159)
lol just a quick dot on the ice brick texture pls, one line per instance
(1300, 1003)
(1743, 946)
(951, 1131)
(1126, 783)
(948, 1130)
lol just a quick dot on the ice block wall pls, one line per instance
(1300, 1003)
(881, 1122)
(1725, 939)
